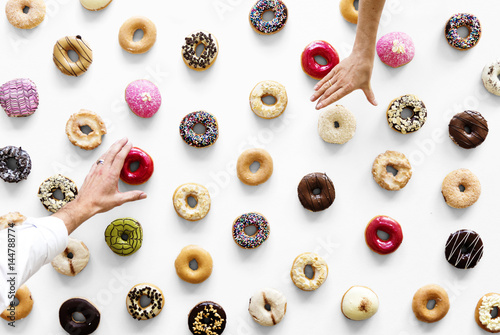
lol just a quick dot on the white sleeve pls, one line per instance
(25, 249)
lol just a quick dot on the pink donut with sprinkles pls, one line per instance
(323, 49)
(387, 225)
(395, 49)
(143, 98)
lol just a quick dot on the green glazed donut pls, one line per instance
(124, 236)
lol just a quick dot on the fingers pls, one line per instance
(370, 96)
(117, 164)
(324, 85)
(334, 96)
(109, 156)
(130, 196)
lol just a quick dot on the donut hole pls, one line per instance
(73, 56)
(316, 191)
(134, 166)
(199, 128)
(254, 167)
(494, 312)
(336, 124)
(320, 60)
(267, 307)
(26, 9)
(70, 255)
(199, 49)
(207, 321)
(138, 35)
(466, 249)
(463, 32)
(268, 15)
(78, 317)
(391, 169)
(144, 301)
(406, 113)
(12, 163)
(309, 271)
(268, 100)
(14, 302)
(57, 194)
(382, 235)
(192, 202)
(86, 129)
(461, 188)
(467, 129)
(124, 236)
(193, 264)
(431, 304)
(251, 230)
(356, 4)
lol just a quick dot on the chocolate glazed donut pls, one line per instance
(207, 317)
(472, 120)
(79, 305)
(316, 202)
(464, 249)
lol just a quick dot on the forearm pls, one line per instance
(75, 213)
(370, 12)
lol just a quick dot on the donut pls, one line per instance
(124, 236)
(23, 164)
(387, 180)
(250, 219)
(143, 172)
(387, 225)
(452, 193)
(207, 57)
(319, 48)
(412, 123)
(464, 249)
(23, 309)
(268, 27)
(298, 271)
(395, 49)
(468, 129)
(79, 305)
(90, 119)
(462, 20)
(143, 98)
(267, 307)
(95, 5)
(53, 183)
(11, 220)
(336, 124)
(128, 29)
(426, 294)
(73, 259)
(200, 195)
(62, 60)
(489, 77)
(133, 301)
(247, 158)
(201, 256)
(19, 97)
(186, 129)
(359, 303)
(16, 16)
(264, 89)
(484, 307)
(312, 200)
(207, 318)
(348, 11)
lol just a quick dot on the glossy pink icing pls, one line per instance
(143, 98)
(323, 49)
(395, 49)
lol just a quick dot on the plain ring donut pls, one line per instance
(16, 16)
(490, 77)
(150, 311)
(264, 89)
(128, 29)
(298, 272)
(247, 158)
(64, 62)
(79, 305)
(387, 180)
(454, 196)
(23, 309)
(336, 124)
(73, 259)
(426, 294)
(484, 307)
(202, 258)
(81, 119)
(267, 307)
(348, 11)
(200, 195)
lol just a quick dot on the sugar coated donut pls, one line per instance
(395, 49)
(468, 129)
(390, 227)
(79, 305)
(247, 158)
(50, 185)
(268, 27)
(95, 5)
(264, 89)
(124, 236)
(73, 259)
(19, 97)
(387, 180)
(207, 318)
(426, 294)
(319, 48)
(359, 303)
(16, 16)
(143, 98)
(11, 220)
(128, 29)
(490, 75)
(143, 172)
(464, 249)
(209, 137)
(200, 195)
(267, 307)
(62, 60)
(336, 124)
(23, 309)
(133, 301)
(257, 220)
(207, 57)
(412, 123)
(348, 11)
(90, 119)
(298, 271)
(462, 20)
(202, 258)
(23, 164)
(311, 200)
(452, 193)
(484, 308)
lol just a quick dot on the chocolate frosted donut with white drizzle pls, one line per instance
(464, 249)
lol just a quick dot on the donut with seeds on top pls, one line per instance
(207, 318)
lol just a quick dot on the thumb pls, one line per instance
(370, 95)
(131, 196)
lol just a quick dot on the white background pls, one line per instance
(447, 80)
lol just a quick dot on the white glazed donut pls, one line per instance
(73, 259)
(359, 303)
(277, 307)
(95, 4)
(336, 125)
(490, 77)
(199, 193)
(298, 274)
(264, 89)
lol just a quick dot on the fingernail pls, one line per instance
(143, 196)
(318, 106)
(312, 98)
(376, 103)
(316, 87)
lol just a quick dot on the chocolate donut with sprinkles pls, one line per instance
(206, 139)
(250, 219)
(155, 306)
(463, 20)
(268, 27)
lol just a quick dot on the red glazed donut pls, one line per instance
(143, 173)
(323, 49)
(387, 225)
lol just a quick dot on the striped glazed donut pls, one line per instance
(124, 236)
(64, 62)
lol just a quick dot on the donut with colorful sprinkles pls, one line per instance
(250, 219)
(463, 20)
(189, 135)
(268, 27)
